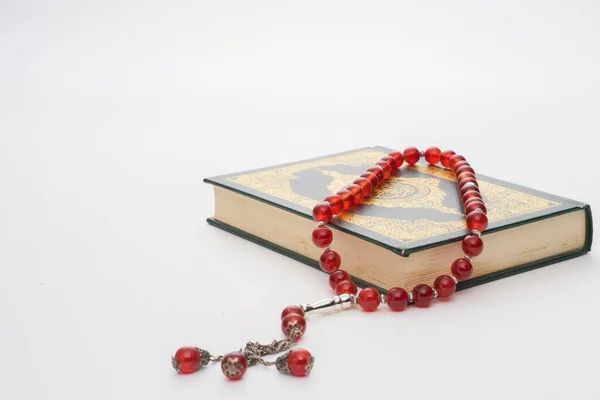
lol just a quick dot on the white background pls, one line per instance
(112, 112)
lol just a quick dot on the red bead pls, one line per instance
(330, 261)
(464, 175)
(337, 277)
(473, 204)
(472, 245)
(392, 161)
(346, 287)
(462, 269)
(387, 168)
(291, 310)
(357, 192)
(347, 198)
(365, 185)
(411, 155)
(477, 220)
(291, 322)
(422, 295)
(454, 159)
(322, 212)
(335, 202)
(470, 194)
(398, 157)
(462, 183)
(459, 164)
(322, 236)
(464, 168)
(468, 186)
(372, 178)
(300, 362)
(378, 171)
(445, 157)
(445, 286)
(186, 360)
(234, 365)
(432, 155)
(397, 299)
(368, 299)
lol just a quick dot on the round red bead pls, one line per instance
(378, 171)
(464, 168)
(392, 161)
(477, 220)
(337, 277)
(369, 299)
(454, 159)
(330, 261)
(432, 155)
(357, 192)
(468, 186)
(472, 245)
(445, 157)
(398, 157)
(187, 359)
(423, 295)
(411, 155)
(467, 180)
(387, 168)
(397, 299)
(347, 198)
(291, 310)
(445, 286)
(234, 365)
(365, 185)
(464, 175)
(469, 194)
(462, 269)
(291, 322)
(372, 178)
(459, 164)
(322, 236)
(473, 204)
(300, 362)
(346, 287)
(335, 202)
(322, 212)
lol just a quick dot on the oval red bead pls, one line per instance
(234, 365)
(465, 175)
(468, 186)
(371, 177)
(347, 198)
(474, 204)
(356, 191)
(432, 155)
(398, 157)
(422, 295)
(392, 161)
(459, 164)
(411, 155)
(378, 171)
(186, 360)
(387, 168)
(464, 168)
(322, 236)
(462, 269)
(335, 202)
(477, 220)
(291, 310)
(300, 362)
(365, 185)
(445, 286)
(462, 183)
(346, 287)
(291, 322)
(337, 277)
(472, 245)
(454, 159)
(397, 299)
(330, 261)
(322, 212)
(369, 299)
(469, 194)
(445, 157)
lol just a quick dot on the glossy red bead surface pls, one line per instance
(346, 287)
(462, 269)
(462, 183)
(474, 204)
(347, 199)
(411, 155)
(422, 295)
(291, 322)
(445, 286)
(470, 194)
(291, 310)
(372, 178)
(234, 365)
(369, 299)
(468, 186)
(322, 236)
(465, 175)
(398, 157)
(459, 164)
(378, 171)
(356, 191)
(477, 220)
(322, 212)
(186, 360)
(445, 157)
(330, 261)
(454, 159)
(335, 202)
(300, 362)
(392, 161)
(472, 245)
(337, 277)
(387, 168)
(365, 185)
(464, 168)
(397, 299)
(432, 155)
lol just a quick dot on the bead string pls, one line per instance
(299, 362)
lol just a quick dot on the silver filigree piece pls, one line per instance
(329, 305)
(204, 357)
(281, 363)
(309, 365)
(383, 298)
(468, 258)
(455, 279)
(326, 249)
(435, 293)
(476, 232)
(175, 365)
(410, 298)
(320, 223)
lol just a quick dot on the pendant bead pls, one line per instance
(472, 245)
(291, 322)
(330, 261)
(432, 155)
(188, 359)
(291, 310)
(423, 295)
(336, 203)
(297, 362)
(322, 236)
(445, 286)
(445, 157)
(369, 299)
(234, 365)
(322, 212)
(397, 299)
(337, 277)
(411, 155)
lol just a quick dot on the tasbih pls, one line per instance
(299, 362)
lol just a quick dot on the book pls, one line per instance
(409, 230)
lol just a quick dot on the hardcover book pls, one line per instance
(409, 230)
